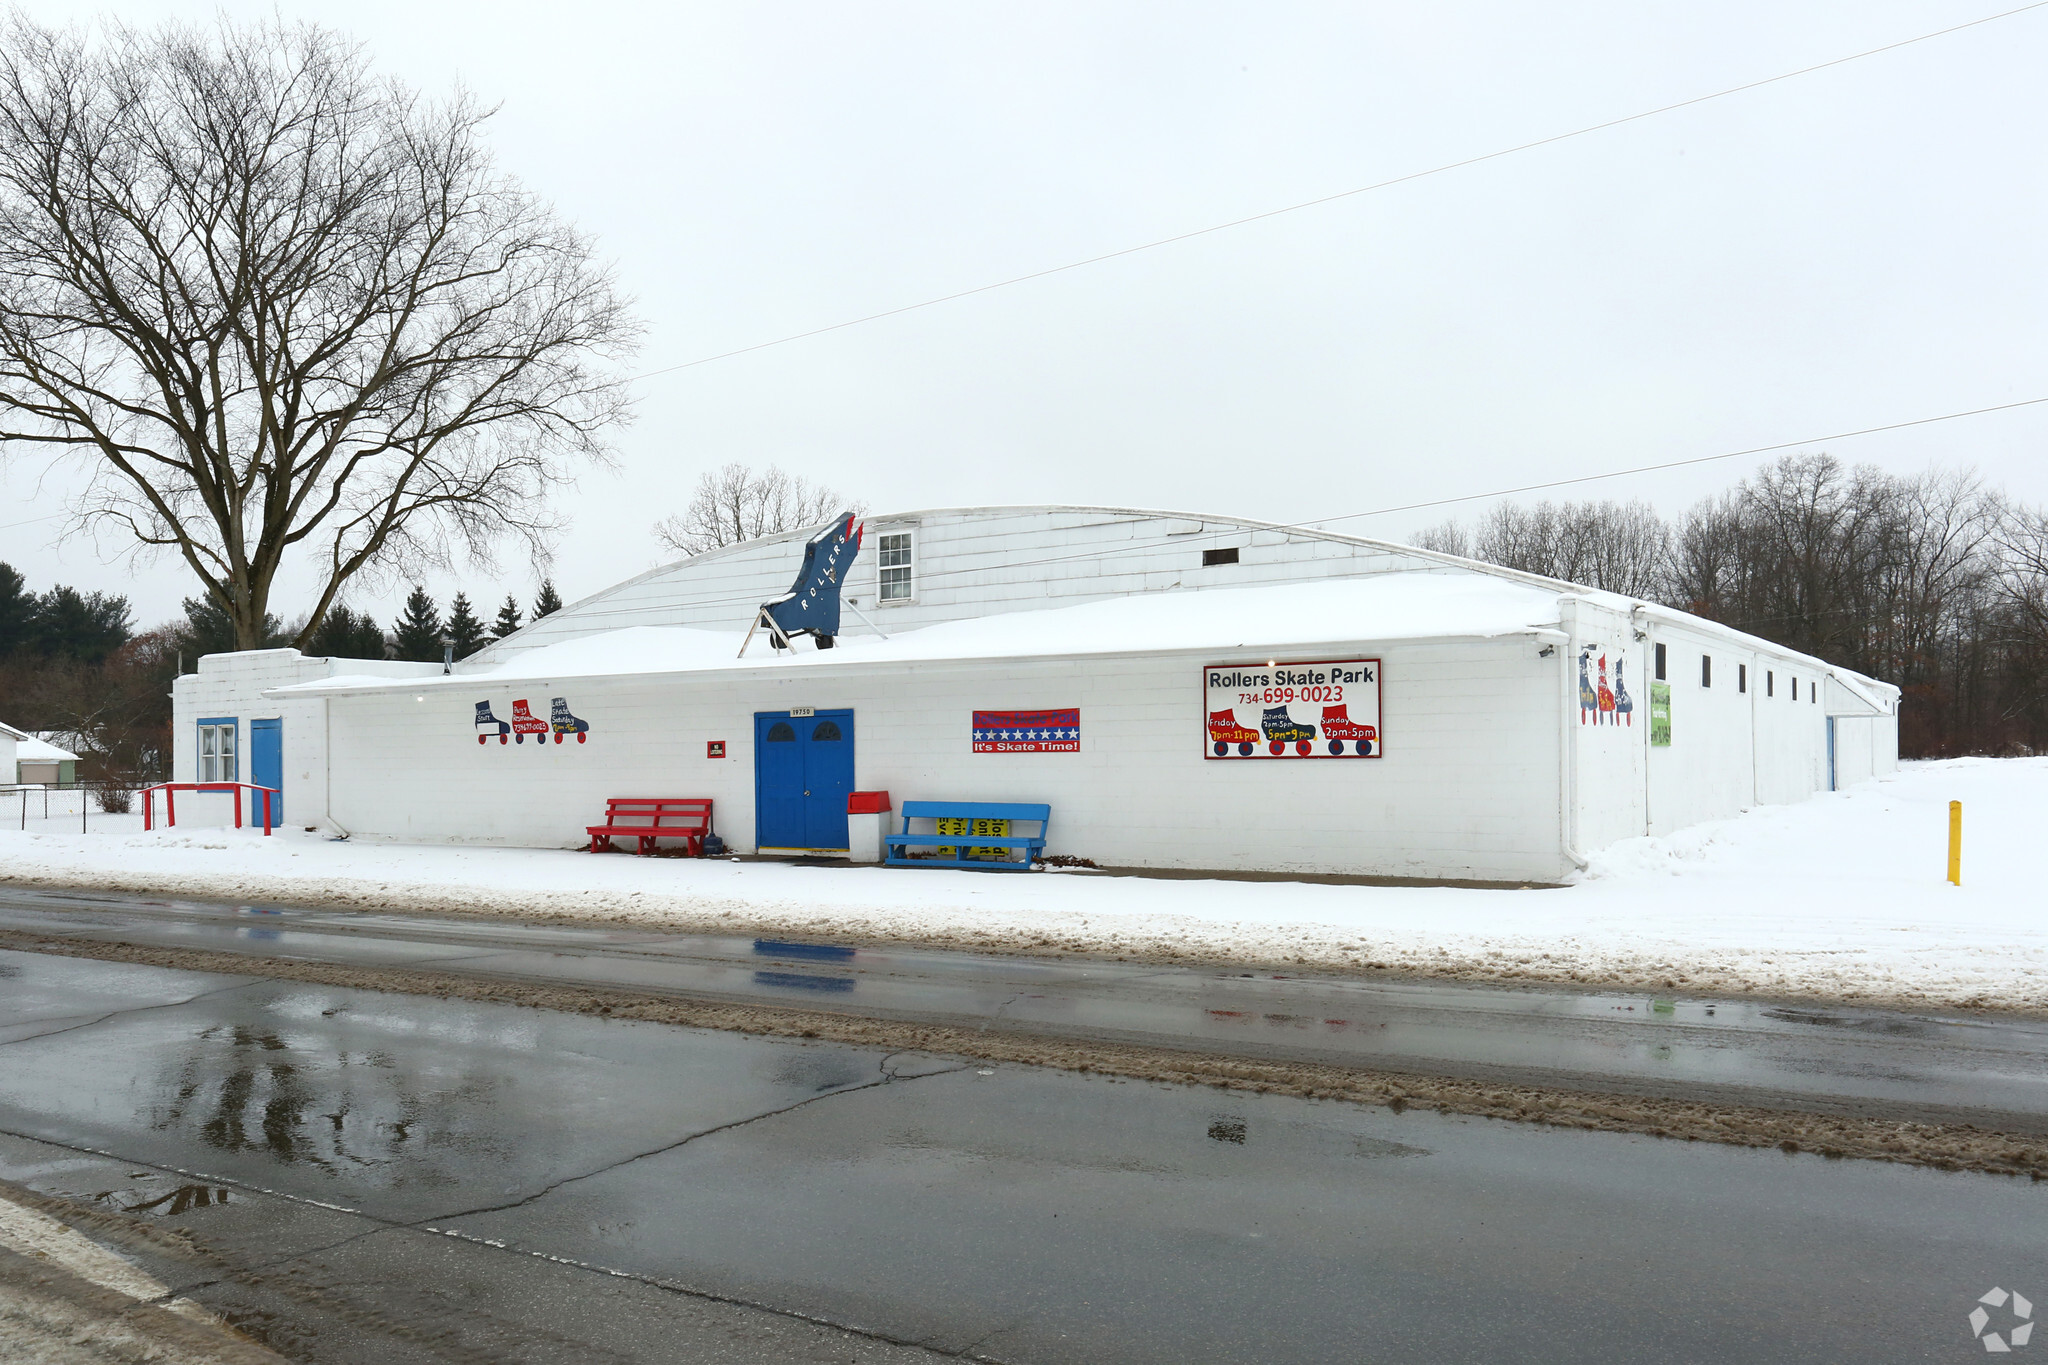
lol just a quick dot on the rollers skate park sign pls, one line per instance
(1324, 708)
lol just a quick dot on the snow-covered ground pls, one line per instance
(1841, 897)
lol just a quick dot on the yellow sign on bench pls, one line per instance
(960, 824)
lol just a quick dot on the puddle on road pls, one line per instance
(825, 952)
(803, 981)
(1236, 1130)
(181, 1199)
(1889, 1027)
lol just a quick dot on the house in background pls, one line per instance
(32, 760)
(40, 761)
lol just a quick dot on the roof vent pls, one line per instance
(1227, 555)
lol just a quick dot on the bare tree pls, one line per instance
(738, 503)
(284, 308)
(1705, 573)
(1619, 547)
(1447, 538)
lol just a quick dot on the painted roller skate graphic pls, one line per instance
(525, 723)
(1606, 694)
(1623, 705)
(1339, 729)
(566, 724)
(1589, 700)
(1282, 729)
(488, 724)
(1224, 731)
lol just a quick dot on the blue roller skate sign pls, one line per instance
(1324, 708)
(811, 606)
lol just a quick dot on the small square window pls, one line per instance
(1226, 555)
(1706, 670)
(1660, 663)
(893, 554)
(1742, 677)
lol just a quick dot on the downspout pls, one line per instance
(1642, 637)
(1567, 749)
(327, 766)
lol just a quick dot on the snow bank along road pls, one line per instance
(1839, 898)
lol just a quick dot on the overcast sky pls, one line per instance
(1860, 246)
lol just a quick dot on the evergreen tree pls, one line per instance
(549, 602)
(417, 634)
(508, 618)
(465, 632)
(207, 629)
(17, 612)
(346, 634)
(86, 626)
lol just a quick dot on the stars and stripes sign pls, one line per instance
(1027, 732)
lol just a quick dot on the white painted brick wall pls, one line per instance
(232, 685)
(1469, 786)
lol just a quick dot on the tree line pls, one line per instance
(73, 662)
(1934, 582)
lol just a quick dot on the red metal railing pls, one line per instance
(169, 789)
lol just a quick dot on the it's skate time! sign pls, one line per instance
(1322, 708)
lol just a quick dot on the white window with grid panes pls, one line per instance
(218, 761)
(894, 553)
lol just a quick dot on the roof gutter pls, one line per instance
(839, 668)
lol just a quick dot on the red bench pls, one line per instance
(647, 818)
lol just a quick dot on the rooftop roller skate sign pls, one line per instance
(1327, 708)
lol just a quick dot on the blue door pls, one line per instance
(266, 767)
(803, 770)
(1831, 753)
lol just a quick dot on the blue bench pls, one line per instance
(900, 845)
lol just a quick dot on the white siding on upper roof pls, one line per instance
(974, 562)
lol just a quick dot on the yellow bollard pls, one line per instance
(1955, 842)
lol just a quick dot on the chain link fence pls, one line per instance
(23, 807)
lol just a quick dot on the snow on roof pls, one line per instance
(34, 749)
(9, 732)
(1413, 605)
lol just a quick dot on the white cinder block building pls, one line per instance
(1185, 691)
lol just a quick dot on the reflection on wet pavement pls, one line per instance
(1005, 1212)
(180, 1200)
(373, 1094)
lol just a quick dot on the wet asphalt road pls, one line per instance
(416, 1179)
(1936, 1067)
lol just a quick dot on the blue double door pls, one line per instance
(803, 770)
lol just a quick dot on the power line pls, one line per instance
(1675, 464)
(1344, 194)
